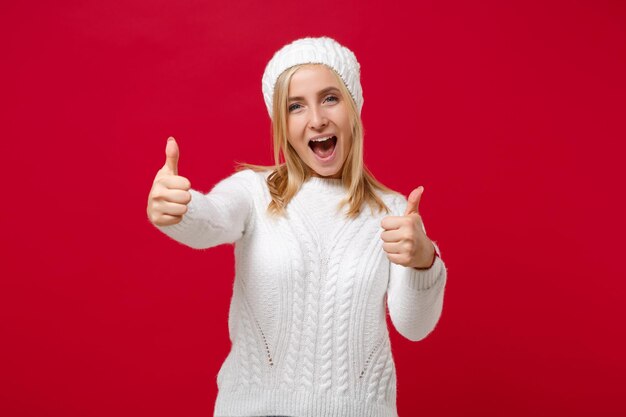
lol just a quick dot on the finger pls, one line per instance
(393, 222)
(171, 209)
(394, 235)
(171, 156)
(175, 182)
(174, 196)
(399, 259)
(414, 201)
(392, 247)
(167, 220)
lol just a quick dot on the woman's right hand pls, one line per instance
(169, 196)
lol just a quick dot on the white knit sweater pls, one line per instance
(307, 319)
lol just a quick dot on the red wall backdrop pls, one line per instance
(510, 113)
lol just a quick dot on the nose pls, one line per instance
(317, 118)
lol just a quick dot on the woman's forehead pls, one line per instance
(312, 78)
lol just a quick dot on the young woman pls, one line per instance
(321, 247)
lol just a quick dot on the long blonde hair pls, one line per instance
(290, 172)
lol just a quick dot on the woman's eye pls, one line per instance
(296, 106)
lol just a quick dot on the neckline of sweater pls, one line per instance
(325, 184)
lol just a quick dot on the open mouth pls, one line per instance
(323, 147)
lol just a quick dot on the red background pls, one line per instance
(511, 114)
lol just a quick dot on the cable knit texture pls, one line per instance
(307, 319)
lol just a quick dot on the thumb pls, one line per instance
(171, 156)
(414, 201)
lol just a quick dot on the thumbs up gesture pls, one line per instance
(169, 196)
(403, 237)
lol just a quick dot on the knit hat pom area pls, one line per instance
(323, 50)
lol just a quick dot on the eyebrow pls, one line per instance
(320, 93)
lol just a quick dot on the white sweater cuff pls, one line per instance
(421, 280)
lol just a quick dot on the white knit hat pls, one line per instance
(322, 50)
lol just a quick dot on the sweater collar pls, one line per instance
(324, 184)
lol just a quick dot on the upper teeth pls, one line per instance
(321, 139)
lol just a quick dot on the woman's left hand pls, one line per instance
(404, 239)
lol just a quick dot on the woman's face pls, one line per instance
(318, 120)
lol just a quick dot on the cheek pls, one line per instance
(347, 147)
(298, 147)
(294, 132)
(291, 125)
(347, 128)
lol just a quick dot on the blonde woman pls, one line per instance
(322, 249)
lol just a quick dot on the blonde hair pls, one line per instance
(289, 173)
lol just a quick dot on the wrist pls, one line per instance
(424, 265)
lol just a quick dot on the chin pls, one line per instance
(328, 172)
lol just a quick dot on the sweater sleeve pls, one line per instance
(415, 297)
(220, 216)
